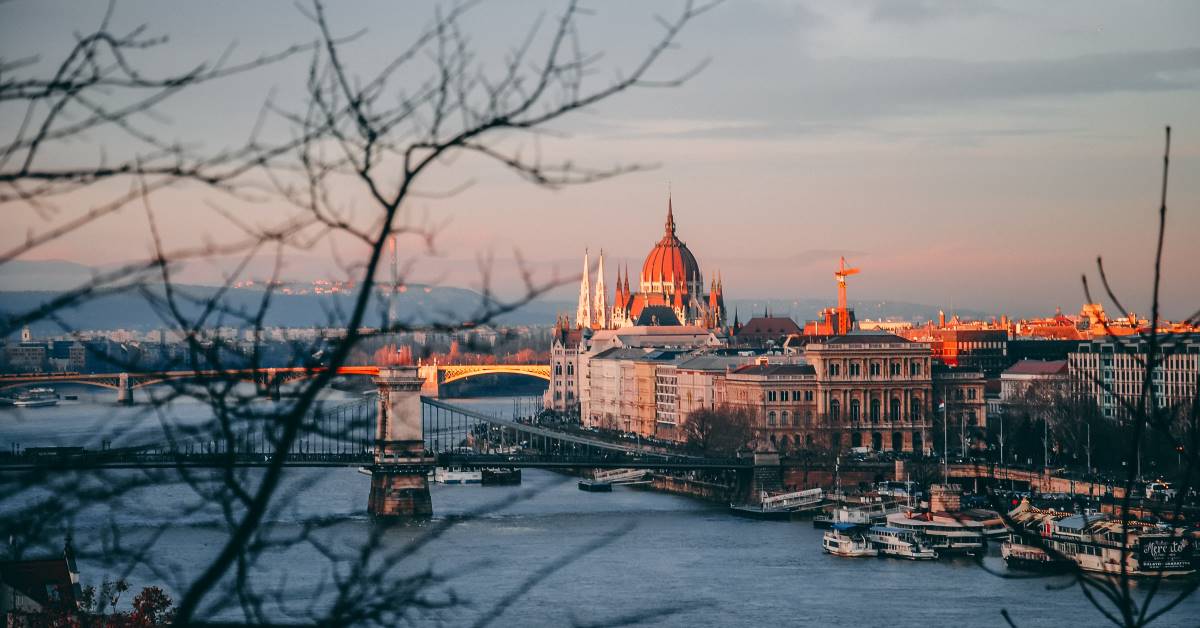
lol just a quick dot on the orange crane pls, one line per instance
(843, 313)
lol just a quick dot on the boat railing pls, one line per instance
(797, 498)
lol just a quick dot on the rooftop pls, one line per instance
(1037, 367)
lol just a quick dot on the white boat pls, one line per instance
(847, 540)
(36, 398)
(945, 532)
(901, 543)
(863, 515)
(456, 475)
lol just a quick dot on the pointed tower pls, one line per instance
(720, 300)
(583, 314)
(600, 304)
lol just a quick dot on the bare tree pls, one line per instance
(1115, 595)
(358, 135)
(719, 431)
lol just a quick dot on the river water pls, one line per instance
(665, 552)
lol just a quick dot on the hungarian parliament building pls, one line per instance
(671, 291)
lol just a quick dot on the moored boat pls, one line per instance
(901, 543)
(1019, 555)
(1100, 543)
(500, 477)
(36, 398)
(456, 475)
(847, 540)
(946, 533)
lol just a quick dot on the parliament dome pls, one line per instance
(671, 263)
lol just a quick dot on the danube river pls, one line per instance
(672, 553)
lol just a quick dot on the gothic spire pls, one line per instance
(583, 313)
(670, 217)
(600, 305)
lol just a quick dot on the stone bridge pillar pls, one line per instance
(431, 380)
(124, 389)
(766, 476)
(274, 386)
(399, 486)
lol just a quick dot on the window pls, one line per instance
(570, 369)
(770, 395)
(771, 418)
(783, 418)
(971, 393)
(558, 369)
(895, 370)
(855, 369)
(875, 369)
(835, 409)
(834, 369)
(795, 395)
(895, 409)
(914, 368)
(854, 409)
(916, 409)
(874, 409)
(808, 395)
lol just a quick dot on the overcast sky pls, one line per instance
(977, 155)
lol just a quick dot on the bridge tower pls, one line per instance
(399, 486)
(124, 389)
(431, 380)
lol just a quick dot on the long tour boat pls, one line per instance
(945, 531)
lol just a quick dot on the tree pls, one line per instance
(719, 431)
(352, 158)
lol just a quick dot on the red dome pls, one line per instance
(670, 263)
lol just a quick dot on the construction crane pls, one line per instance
(843, 313)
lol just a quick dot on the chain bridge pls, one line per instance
(397, 435)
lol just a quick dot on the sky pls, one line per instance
(963, 154)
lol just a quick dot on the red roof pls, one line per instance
(1038, 367)
(670, 261)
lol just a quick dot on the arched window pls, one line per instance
(854, 409)
(856, 440)
(876, 441)
(918, 445)
(783, 418)
(773, 444)
(808, 418)
(916, 409)
(874, 409)
(897, 441)
(771, 421)
(835, 409)
(895, 409)
(808, 440)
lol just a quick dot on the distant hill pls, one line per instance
(132, 311)
(26, 285)
(43, 275)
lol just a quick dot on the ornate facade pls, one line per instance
(671, 290)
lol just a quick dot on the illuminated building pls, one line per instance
(671, 290)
